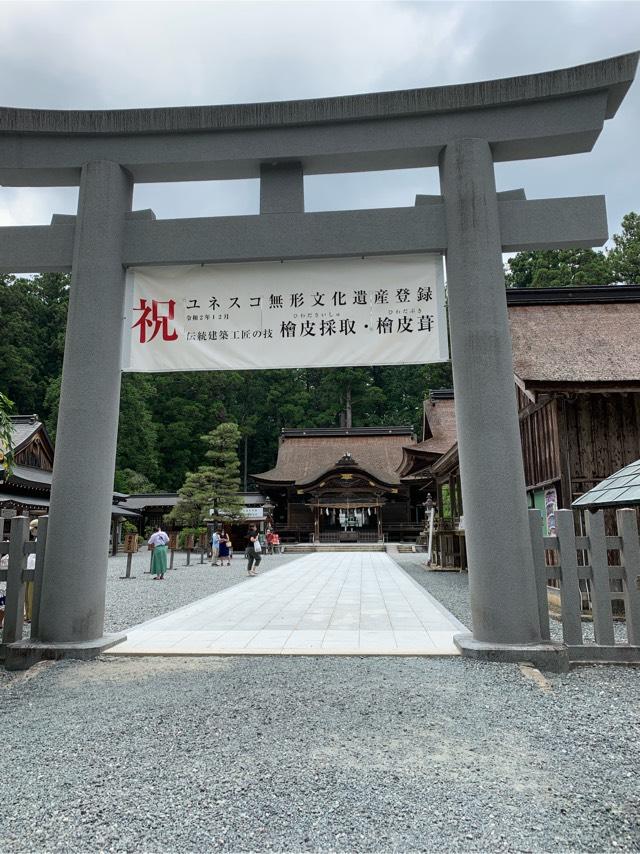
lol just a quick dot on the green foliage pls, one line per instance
(558, 268)
(6, 435)
(131, 482)
(215, 485)
(137, 432)
(624, 258)
(445, 496)
(185, 533)
(32, 318)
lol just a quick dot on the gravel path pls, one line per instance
(314, 754)
(138, 599)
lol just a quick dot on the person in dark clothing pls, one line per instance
(253, 551)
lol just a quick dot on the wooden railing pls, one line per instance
(17, 575)
(603, 563)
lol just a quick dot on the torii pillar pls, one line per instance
(503, 595)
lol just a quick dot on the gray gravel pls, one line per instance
(314, 754)
(318, 754)
(138, 599)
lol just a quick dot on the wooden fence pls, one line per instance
(608, 566)
(16, 575)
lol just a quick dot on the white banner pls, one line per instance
(296, 314)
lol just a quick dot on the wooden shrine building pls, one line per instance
(341, 484)
(576, 363)
(26, 490)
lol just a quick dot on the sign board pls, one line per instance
(173, 540)
(323, 313)
(253, 512)
(131, 543)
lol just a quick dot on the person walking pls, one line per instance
(158, 541)
(215, 548)
(253, 551)
(223, 548)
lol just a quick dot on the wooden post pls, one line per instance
(114, 537)
(630, 559)
(173, 542)
(569, 586)
(131, 548)
(600, 586)
(316, 524)
(539, 566)
(41, 544)
(14, 606)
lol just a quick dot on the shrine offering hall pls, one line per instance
(341, 484)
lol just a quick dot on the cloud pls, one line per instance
(104, 55)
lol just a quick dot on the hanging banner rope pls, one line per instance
(329, 313)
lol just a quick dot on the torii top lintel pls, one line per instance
(537, 115)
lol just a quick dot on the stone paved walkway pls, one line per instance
(322, 604)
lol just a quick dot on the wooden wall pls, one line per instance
(540, 443)
(575, 441)
(35, 454)
(603, 435)
(396, 513)
(299, 514)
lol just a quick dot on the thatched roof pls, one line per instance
(439, 434)
(306, 455)
(595, 343)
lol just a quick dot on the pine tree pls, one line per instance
(214, 486)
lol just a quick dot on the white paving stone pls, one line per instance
(342, 603)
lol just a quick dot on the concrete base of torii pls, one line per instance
(24, 654)
(545, 656)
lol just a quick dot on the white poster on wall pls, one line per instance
(296, 314)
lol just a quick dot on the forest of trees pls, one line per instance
(163, 417)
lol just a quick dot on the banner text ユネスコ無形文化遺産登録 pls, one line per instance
(325, 313)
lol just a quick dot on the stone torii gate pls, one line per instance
(461, 129)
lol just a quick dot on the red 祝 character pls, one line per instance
(153, 320)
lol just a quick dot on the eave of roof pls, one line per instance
(30, 476)
(140, 501)
(331, 471)
(447, 461)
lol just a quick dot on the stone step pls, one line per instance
(308, 548)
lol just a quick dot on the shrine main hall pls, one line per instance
(346, 484)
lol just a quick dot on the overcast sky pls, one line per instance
(103, 55)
